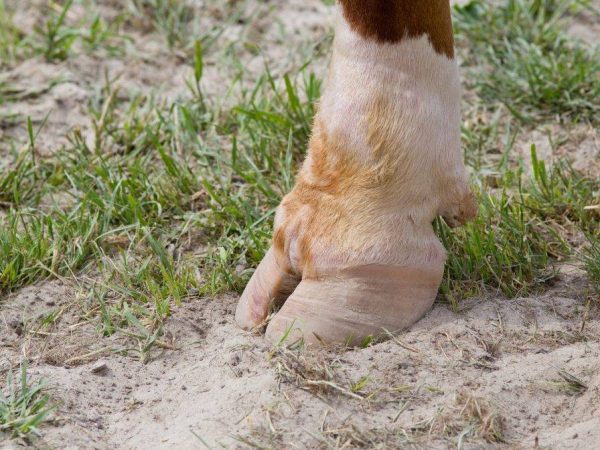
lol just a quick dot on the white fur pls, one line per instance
(424, 88)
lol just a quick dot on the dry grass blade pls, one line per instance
(471, 417)
(332, 385)
(312, 372)
(487, 423)
(400, 342)
(572, 384)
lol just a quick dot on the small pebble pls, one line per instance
(99, 368)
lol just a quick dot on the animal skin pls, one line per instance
(354, 252)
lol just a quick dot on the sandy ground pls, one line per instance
(224, 387)
(494, 365)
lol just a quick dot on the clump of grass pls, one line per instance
(27, 180)
(503, 248)
(145, 280)
(135, 292)
(128, 178)
(100, 34)
(56, 37)
(470, 418)
(10, 36)
(488, 141)
(170, 17)
(35, 245)
(107, 194)
(20, 185)
(525, 226)
(520, 56)
(282, 108)
(24, 406)
(562, 194)
(591, 260)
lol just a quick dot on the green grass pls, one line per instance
(137, 289)
(10, 36)
(591, 260)
(528, 223)
(79, 203)
(563, 195)
(519, 55)
(170, 17)
(271, 127)
(23, 405)
(100, 34)
(35, 245)
(503, 248)
(55, 36)
(59, 36)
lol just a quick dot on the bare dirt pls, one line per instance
(497, 368)
(225, 387)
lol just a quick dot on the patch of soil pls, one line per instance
(225, 387)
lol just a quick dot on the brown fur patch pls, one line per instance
(329, 189)
(394, 20)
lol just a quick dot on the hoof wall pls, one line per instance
(354, 305)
